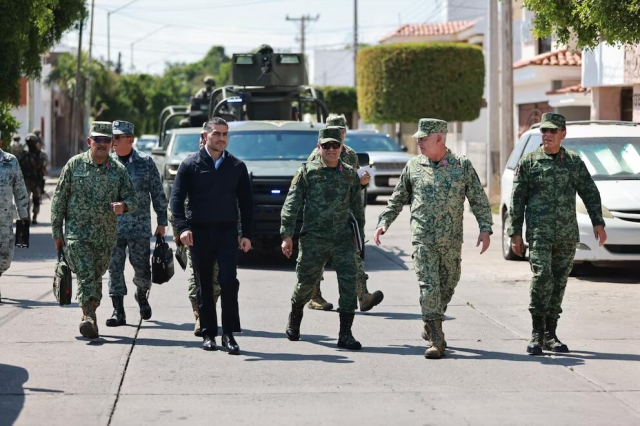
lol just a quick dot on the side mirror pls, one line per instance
(404, 148)
(158, 151)
(363, 159)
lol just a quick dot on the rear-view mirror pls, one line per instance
(158, 151)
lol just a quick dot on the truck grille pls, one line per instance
(389, 166)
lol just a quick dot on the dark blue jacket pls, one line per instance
(215, 196)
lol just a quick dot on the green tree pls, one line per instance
(215, 63)
(407, 81)
(587, 21)
(8, 123)
(29, 29)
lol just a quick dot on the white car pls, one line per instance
(387, 159)
(611, 152)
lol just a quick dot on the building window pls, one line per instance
(544, 45)
(626, 104)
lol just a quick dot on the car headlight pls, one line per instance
(171, 170)
(582, 209)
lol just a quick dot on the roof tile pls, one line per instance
(563, 57)
(434, 29)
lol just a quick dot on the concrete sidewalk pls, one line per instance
(156, 373)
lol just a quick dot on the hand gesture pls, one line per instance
(379, 231)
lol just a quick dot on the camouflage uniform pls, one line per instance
(16, 148)
(437, 193)
(82, 201)
(32, 164)
(327, 196)
(11, 187)
(545, 185)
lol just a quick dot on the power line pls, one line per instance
(303, 19)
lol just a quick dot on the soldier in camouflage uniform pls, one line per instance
(92, 191)
(16, 148)
(328, 191)
(348, 156)
(545, 185)
(33, 166)
(437, 183)
(134, 229)
(12, 188)
(207, 90)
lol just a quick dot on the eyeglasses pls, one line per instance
(332, 144)
(101, 139)
(552, 131)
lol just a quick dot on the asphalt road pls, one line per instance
(155, 372)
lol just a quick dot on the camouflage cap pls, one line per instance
(209, 80)
(429, 126)
(122, 128)
(553, 121)
(16, 138)
(101, 128)
(335, 120)
(31, 137)
(330, 134)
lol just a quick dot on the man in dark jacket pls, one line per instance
(217, 185)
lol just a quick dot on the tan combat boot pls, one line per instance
(317, 302)
(426, 335)
(88, 326)
(436, 344)
(196, 330)
(368, 300)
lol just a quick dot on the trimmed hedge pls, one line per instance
(340, 99)
(408, 81)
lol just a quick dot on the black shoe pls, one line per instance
(229, 343)
(118, 317)
(145, 308)
(209, 344)
(551, 341)
(293, 325)
(537, 335)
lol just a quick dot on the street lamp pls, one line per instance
(109, 30)
(144, 38)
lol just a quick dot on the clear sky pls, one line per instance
(183, 30)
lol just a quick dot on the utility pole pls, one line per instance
(109, 29)
(493, 119)
(303, 20)
(144, 38)
(75, 110)
(506, 94)
(87, 100)
(355, 42)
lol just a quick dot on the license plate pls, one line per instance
(393, 181)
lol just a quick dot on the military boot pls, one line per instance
(196, 330)
(118, 317)
(317, 302)
(88, 327)
(145, 308)
(426, 334)
(293, 325)
(94, 313)
(345, 338)
(369, 300)
(436, 341)
(551, 341)
(537, 335)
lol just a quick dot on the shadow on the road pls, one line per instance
(479, 354)
(588, 272)
(378, 259)
(588, 355)
(30, 304)
(105, 339)
(393, 315)
(11, 392)
(165, 325)
(279, 356)
(40, 248)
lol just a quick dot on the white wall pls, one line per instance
(332, 68)
(604, 66)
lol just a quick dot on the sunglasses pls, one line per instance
(552, 131)
(332, 144)
(101, 139)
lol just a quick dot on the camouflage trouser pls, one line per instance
(551, 265)
(89, 261)
(34, 194)
(438, 272)
(192, 279)
(140, 259)
(361, 279)
(313, 254)
(7, 246)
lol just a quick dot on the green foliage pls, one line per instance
(215, 63)
(340, 99)
(405, 82)
(29, 29)
(8, 123)
(587, 21)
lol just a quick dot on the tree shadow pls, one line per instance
(11, 392)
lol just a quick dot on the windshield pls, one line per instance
(272, 144)
(186, 143)
(614, 158)
(371, 142)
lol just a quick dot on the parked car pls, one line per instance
(387, 159)
(145, 143)
(611, 152)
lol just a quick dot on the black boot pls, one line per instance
(145, 308)
(551, 341)
(293, 326)
(345, 338)
(118, 317)
(537, 335)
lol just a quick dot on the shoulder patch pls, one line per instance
(515, 173)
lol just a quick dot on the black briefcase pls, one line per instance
(62, 280)
(161, 262)
(22, 234)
